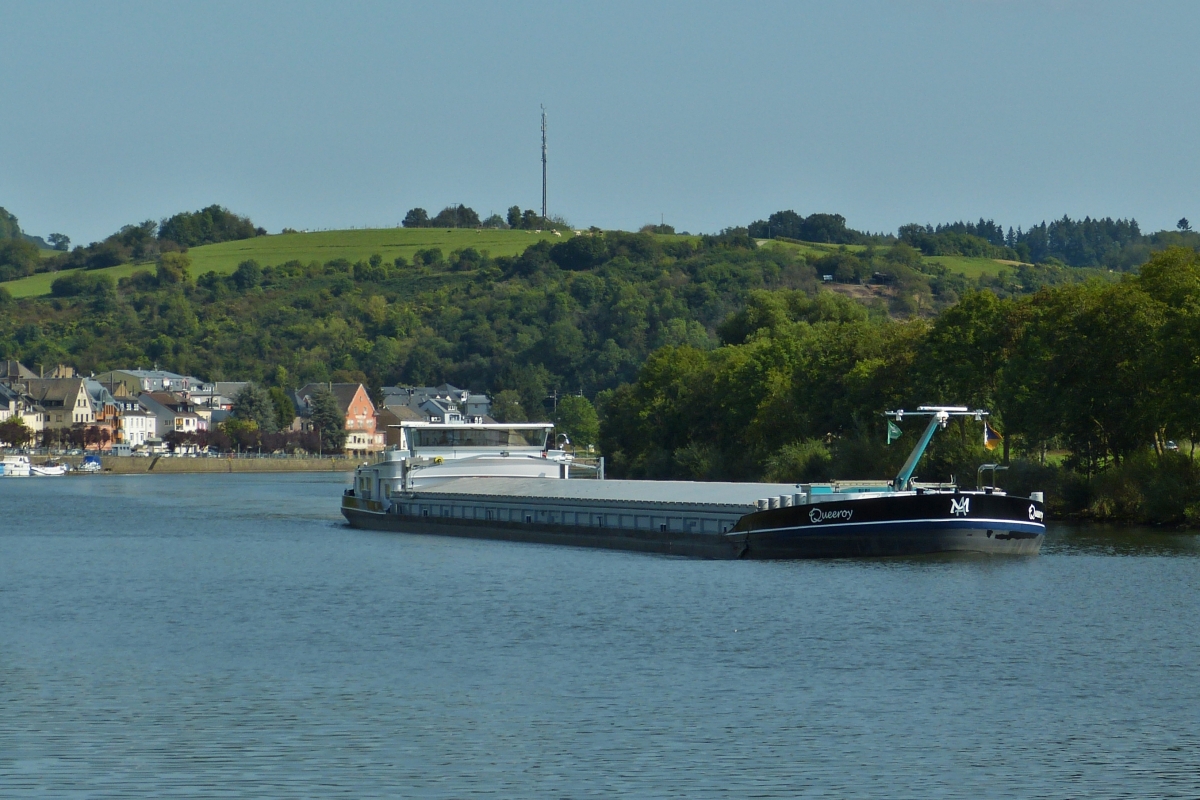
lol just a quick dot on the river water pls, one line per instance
(227, 635)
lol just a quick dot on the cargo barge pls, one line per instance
(499, 481)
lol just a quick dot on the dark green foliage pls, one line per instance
(576, 417)
(254, 404)
(247, 275)
(285, 410)
(1106, 371)
(173, 269)
(458, 216)
(580, 252)
(14, 433)
(506, 407)
(206, 226)
(328, 421)
(60, 241)
(18, 258)
(416, 218)
(82, 284)
(826, 228)
(954, 240)
(9, 229)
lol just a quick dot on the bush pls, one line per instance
(206, 226)
(808, 461)
(81, 284)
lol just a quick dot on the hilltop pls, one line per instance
(320, 246)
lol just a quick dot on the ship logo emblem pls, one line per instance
(1034, 514)
(960, 507)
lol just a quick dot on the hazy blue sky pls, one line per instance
(341, 114)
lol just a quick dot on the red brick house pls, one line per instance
(355, 405)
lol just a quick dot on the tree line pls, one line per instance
(1117, 244)
(139, 242)
(1104, 375)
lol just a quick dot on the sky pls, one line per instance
(705, 115)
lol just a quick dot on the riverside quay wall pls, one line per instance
(161, 465)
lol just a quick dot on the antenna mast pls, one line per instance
(543, 164)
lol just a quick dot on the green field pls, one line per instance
(971, 267)
(809, 249)
(322, 246)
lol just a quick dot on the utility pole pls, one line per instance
(543, 164)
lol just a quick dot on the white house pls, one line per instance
(137, 426)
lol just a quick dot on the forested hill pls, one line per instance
(1116, 244)
(581, 314)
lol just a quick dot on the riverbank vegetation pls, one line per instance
(1105, 371)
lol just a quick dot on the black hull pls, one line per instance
(897, 526)
(885, 526)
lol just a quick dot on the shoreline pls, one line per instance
(179, 465)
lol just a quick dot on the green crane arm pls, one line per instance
(905, 475)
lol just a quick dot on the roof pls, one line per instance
(689, 492)
(53, 391)
(150, 373)
(399, 414)
(14, 370)
(343, 393)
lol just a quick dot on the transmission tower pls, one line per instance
(543, 163)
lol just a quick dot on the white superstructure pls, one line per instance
(434, 453)
(15, 467)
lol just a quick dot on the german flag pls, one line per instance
(991, 437)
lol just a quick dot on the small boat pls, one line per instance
(15, 467)
(91, 464)
(49, 470)
(504, 481)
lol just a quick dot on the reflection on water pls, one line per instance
(1120, 540)
(226, 635)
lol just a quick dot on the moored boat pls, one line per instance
(15, 467)
(49, 470)
(506, 482)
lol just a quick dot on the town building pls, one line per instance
(66, 401)
(356, 406)
(173, 413)
(16, 403)
(137, 381)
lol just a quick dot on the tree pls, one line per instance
(13, 433)
(506, 407)
(458, 216)
(255, 404)
(173, 268)
(494, 221)
(60, 241)
(285, 410)
(247, 275)
(1183, 224)
(328, 420)
(514, 217)
(18, 258)
(416, 218)
(576, 417)
(206, 226)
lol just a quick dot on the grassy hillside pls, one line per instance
(971, 267)
(352, 245)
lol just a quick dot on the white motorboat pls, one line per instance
(49, 470)
(15, 467)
